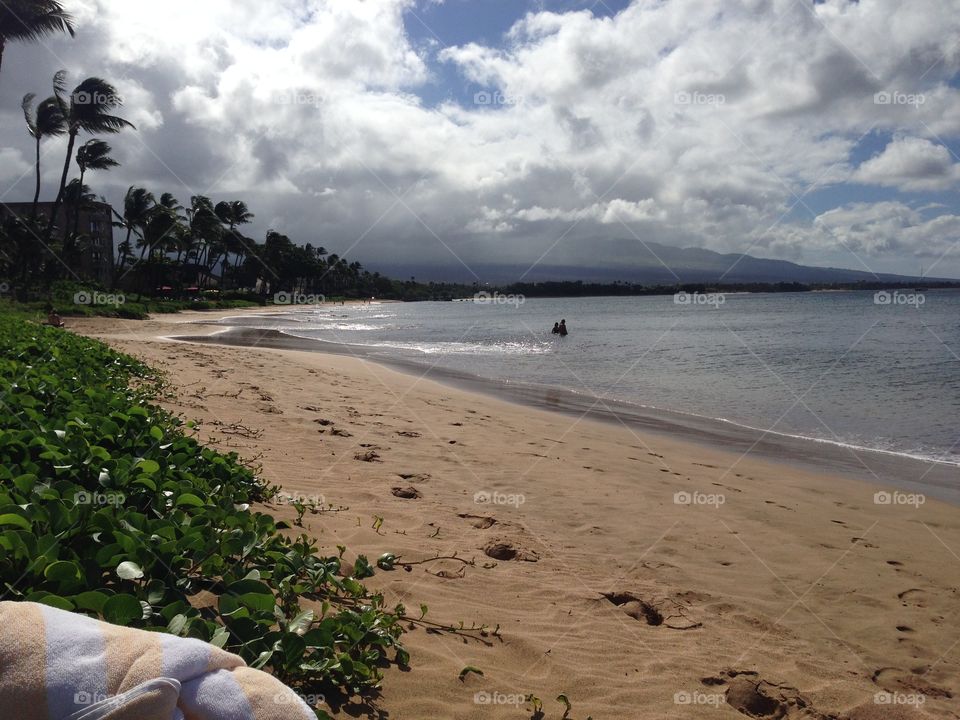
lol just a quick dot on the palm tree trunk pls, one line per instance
(36, 194)
(121, 260)
(63, 185)
(76, 211)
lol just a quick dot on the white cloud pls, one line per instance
(877, 228)
(704, 123)
(912, 164)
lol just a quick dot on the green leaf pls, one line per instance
(302, 622)
(255, 601)
(16, 520)
(91, 600)
(220, 638)
(62, 571)
(122, 610)
(57, 602)
(150, 467)
(190, 500)
(129, 571)
(176, 626)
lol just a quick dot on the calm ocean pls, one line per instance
(835, 366)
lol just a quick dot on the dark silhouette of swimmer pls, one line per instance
(556, 329)
(563, 328)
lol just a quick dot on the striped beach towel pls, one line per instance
(56, 665)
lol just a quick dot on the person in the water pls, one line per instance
(556, 329)
(563, 328)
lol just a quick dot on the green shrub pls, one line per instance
(108, 508)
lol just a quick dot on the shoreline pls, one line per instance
(902, 471)
(634, 572)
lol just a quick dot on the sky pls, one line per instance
(439, 138)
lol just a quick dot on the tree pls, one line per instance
(232, 214)
(78, 196)
(31, 20)
(92, 155)
(205, 233)
(88, 109)
(137, 206)
(45, 121)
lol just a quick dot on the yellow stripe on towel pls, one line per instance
(23, 662)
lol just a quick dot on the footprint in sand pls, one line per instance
(751, 695)
(414, 477)
(652, 613)
(480, 522)
(407, 493)
(368, 456)
(914, 597)
(898, 680)
(408, 434)
(503, 550)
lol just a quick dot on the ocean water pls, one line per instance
(834, 366)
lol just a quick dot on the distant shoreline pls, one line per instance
(938, 478)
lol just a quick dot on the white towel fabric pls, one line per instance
(56, 665)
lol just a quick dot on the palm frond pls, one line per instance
(32, 20)
(28, 115)
(50, 120)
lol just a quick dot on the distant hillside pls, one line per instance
(659, 264)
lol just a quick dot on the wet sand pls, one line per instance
(640, 571)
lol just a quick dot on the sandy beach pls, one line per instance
(639, 575)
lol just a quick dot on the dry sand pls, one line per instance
(785, 593)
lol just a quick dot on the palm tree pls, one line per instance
(31, 20)
(205, 233)
(232, 214)
(45, 121)
(92, 155)
(77, 195)
(138, 203)
(87, 108)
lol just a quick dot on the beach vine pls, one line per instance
(109, 508)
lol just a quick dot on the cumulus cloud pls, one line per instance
(877, 228)
(912, 164)
(702, 123)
